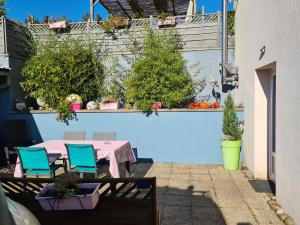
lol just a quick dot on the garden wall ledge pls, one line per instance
(126, 111)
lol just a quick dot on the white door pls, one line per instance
(272, 129)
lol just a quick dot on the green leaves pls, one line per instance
(231, 23)
(2, 10)
(160, 73)
(231, 128)
(60, 68)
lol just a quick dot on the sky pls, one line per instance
(74, 9)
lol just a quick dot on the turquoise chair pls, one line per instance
(35, 161)
(81, 158)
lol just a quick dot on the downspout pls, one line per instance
(229, 72)
(224, 39)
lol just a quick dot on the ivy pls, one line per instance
(231, 23)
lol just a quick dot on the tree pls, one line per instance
(231, 128)
(2, 10)
(159, 73)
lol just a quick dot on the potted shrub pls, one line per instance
(163, 19)
(75, 101)
(59, 24)
(108, 103)
(118, 22)
(231, 141)
(67, 194)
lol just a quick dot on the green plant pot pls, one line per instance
(231, 154)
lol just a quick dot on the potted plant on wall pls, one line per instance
(231, 141)
(108, 103)
(68, 194)
(163, 19)
(75, 101)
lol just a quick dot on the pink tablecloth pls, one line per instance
(114, 151)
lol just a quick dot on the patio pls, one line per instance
(201, 194)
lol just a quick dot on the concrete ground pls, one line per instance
(206, 194)
(202, 194)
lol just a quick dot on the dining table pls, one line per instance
(115, 152)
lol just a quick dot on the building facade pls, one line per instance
(268, 58)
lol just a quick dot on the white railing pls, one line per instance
(133, 23)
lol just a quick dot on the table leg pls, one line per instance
(127, 168)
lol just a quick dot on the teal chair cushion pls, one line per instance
(81, 157)
(33, 158)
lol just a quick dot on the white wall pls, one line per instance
(274, 24)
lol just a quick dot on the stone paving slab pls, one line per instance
(189, 194)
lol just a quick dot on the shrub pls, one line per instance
(231, 128)
(62, 67)
(160, 73)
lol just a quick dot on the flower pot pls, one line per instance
(76, 202)
(58, 24)
(111, 106)
(231, 154)
(157, 105)
(168, 21)
(75, 106)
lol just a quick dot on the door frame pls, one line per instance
(272, 129)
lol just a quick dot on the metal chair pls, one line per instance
(15, 134)
(81, 158)
(110, 136)
(74, 135)
(35, 161)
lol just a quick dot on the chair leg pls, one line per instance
(7, 155)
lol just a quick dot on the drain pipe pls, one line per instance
(224, 39)
(229, 72)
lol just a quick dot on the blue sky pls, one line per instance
(72, 9)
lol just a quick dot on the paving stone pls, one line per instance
(162, 182)
(180, 176)
(176, 221)
(207, 216)
(177, 211)
(178, 200)
(199, 170)
(199, 201)
(236, 215)
(266, 216)
(200, 177)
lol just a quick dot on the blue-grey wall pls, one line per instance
(182, 137)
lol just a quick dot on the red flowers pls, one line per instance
(204, 105)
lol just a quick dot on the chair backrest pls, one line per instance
(33, 158)
(15, 133)
(110, 136)
(74, 135)
(81, 155)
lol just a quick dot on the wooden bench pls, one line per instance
(121, 202)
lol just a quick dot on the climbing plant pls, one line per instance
(231, 23)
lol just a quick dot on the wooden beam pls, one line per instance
(174, 10)
(121, 7)
(92, 10)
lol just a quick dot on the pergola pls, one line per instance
(129, 8)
